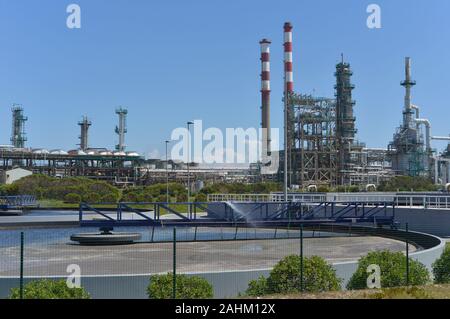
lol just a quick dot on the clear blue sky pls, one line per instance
(173, 61)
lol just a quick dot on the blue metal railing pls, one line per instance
(17, 202)
(380, 213)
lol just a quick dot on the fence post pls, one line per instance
(21, 264)
(301, 258)
(407, 256)
(174, 287)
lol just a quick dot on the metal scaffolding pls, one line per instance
(314, 155)
(18, 136)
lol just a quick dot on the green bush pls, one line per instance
(109, 198)
(72, 198)
(393, 270)
(181, 198)
(161, 287)
(407, 183)
(49, 289)
(257, 287)
(441, 268)
(92, 198)
(323, 189)
(318, 276)
(201, 198)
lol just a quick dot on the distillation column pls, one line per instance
(121, 129)
(84, 134)
(18, 136)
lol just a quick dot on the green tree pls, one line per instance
(92, 198)
(49, 289)
(72, 198)
(318, 276)
(441, 268)
(161, 287)
(393, 270)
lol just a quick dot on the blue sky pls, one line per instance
(173, 61)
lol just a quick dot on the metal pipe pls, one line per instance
(428, 129)
(417, 109)
(441, 138)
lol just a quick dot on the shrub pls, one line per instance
(72, 198)
(201, 198)
(109, 198)
(318, 276)
(323, 189)
(257, 287)
(182, 198)
(194, 287)
(49, 289)
(393, 270)
(92, 198)
(441, 268)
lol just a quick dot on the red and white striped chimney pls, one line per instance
(265, 95)
(288, 74)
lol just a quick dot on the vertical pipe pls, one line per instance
(21, 263)
(265, 96)
(301, 258)
(407, 256)
(174, 283)
(167, 175)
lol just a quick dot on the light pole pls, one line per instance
(188, 159)
(167, 174)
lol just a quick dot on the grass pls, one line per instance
(422, 292)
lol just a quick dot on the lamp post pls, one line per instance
(167, 174)
(188, 159)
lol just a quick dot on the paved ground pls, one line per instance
(191, 257)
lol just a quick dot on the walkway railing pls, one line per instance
(15, 202)
(432, 200)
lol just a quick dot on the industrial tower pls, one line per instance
(265, 96)
(345, 120)
(84, 135)
(407, 148)
(122, 128)
(18, 137)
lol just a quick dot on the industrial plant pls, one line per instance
(320, 143)
(320, 134)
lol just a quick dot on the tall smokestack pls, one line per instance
(265, 95)
(408, 84)
(288, 88)
(288, 71)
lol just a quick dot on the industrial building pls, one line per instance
(117, 167)
(321, 147)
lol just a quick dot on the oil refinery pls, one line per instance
(320, 141)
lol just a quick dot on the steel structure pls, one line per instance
(18, 136)
(407, 150)
(17, 202)
(121, 129)
(84, 135)
(111, 168)
(260, 214)
(315, 143)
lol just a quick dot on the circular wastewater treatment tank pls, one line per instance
(105, 237)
